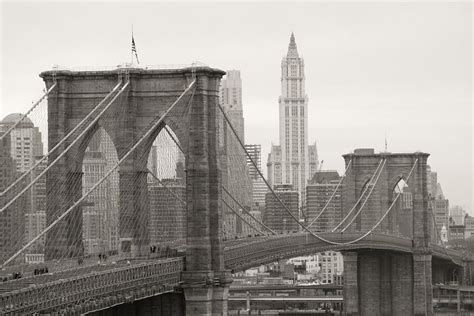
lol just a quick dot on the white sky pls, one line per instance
(400, 69)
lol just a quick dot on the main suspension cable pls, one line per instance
(333, 194)
(360, 197)
(366, 199)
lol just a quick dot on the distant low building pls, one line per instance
(332, 264)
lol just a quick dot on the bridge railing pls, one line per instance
(156, 275)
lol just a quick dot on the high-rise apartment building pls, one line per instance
(167, 221)
(12, 219)
(255, 152)
(318, 193)
(276, 216)
(94, 211)
(259, 187)
(293, 161)
(440, 209)
(25, 141)
(25, 148)
(101, 209)
(35, 220)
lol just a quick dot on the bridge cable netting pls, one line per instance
(331, 197)
(362, 195)
(372, 186)
(375, 176)
(76, 138)
(25, 202)
(76, 202)
(249, 219)
(27, 114)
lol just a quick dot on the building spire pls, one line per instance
(292, 50)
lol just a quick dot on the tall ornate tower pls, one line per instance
(290, 162)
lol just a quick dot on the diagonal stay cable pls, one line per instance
(63, 140)
(366, 199)
(173, 138)
(142, 138)
(167, 188)
(268, 185)
(29, 111)
(284, 205)
(388, 210)
(332, 196)
(360, 197)
(64, 151)
(247, 212)
(243, 218)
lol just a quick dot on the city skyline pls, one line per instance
(408, 79)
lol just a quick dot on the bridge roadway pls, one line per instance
(251, 252)
(93, 287)
(96, 290)
(283, 287)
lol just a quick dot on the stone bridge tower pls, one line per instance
(388, 282)
(149, 93)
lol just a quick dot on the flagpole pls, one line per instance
(131, 50)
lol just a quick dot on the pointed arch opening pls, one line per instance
(166, 189)
(100, 210)
(400, 219)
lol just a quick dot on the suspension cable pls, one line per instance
(67, 148)
(167, 188)
(333, 194)
(243, 208)
(366, 199)
(243, 218)
(142, 138)
(268, 185)
(29, 111)
(62, 141)
(174, 140)
(359, 199)
(388, 210)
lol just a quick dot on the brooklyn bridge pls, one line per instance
(393, 258)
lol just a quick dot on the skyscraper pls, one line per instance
(292, 161)
(12, 219)
(25, 149)
(255, 152)
(167, 221)
(235, 172)
(100, 212)
(231, 100)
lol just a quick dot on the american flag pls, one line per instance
(134, 49)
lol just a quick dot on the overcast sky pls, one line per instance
(372, 69)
